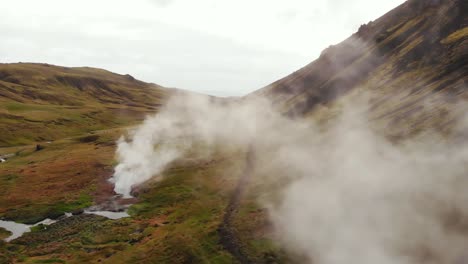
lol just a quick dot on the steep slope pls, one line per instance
(41, 102)
(415, 54)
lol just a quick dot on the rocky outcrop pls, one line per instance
(418, 49)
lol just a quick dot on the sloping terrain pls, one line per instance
(75, 115)
(410, 65)
(41, 102)
(415, 55)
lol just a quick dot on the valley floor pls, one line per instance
(176, 220)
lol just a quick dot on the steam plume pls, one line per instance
(349, 195)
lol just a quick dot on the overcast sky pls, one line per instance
(212, 46)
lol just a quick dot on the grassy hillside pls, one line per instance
(77, 114)
(41, 102)
(176, 220)
(410, 65)
(415, 55)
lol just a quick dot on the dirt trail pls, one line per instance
(227, 234)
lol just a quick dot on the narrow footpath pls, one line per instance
(228, 237)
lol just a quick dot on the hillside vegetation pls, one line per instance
(411, 64)
(41, 102)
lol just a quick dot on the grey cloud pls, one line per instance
(162, 3)
(157, 52)
(288, 15)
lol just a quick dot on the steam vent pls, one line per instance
(359, 156)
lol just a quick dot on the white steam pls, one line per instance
(351, 195)
(358, 198)
(186, 120)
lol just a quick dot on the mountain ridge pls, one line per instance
(409, 68)
(416, 47)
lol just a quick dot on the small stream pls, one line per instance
(109, 214)
(4, 158)
(18, 229)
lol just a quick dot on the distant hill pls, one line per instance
(42, 102)
(410, 66)
(413, 56)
